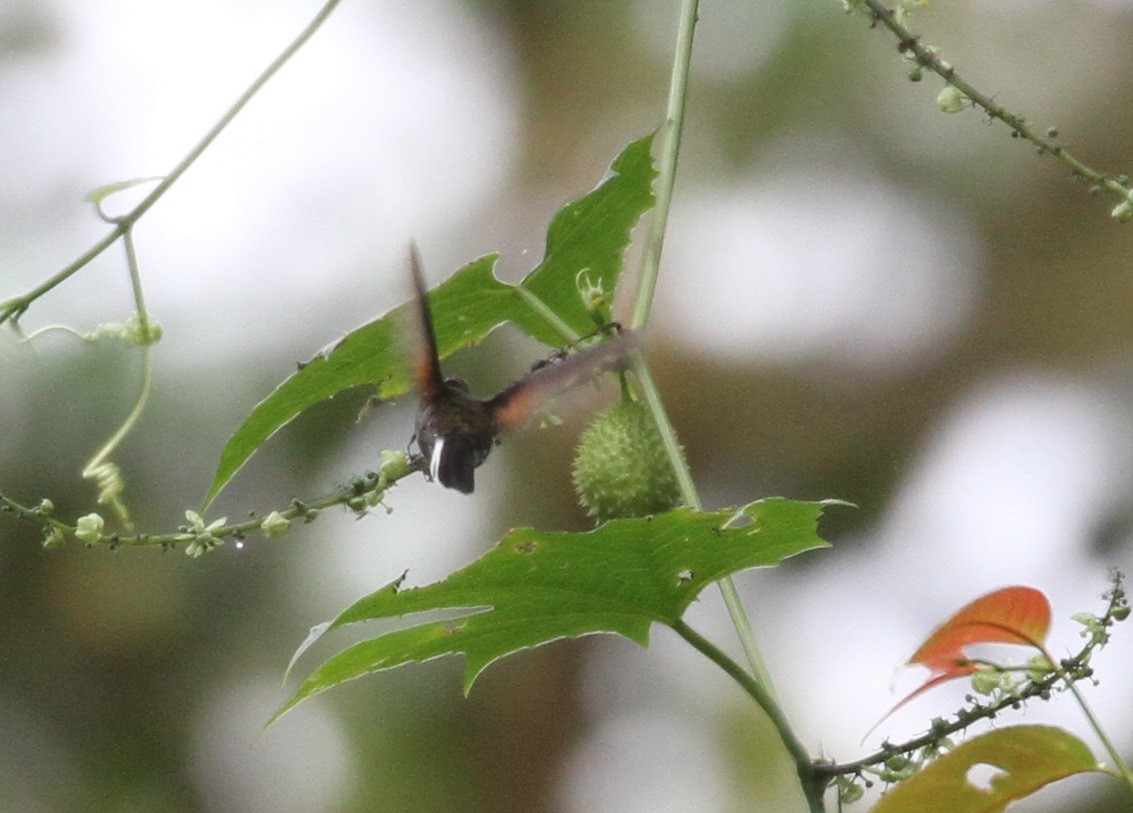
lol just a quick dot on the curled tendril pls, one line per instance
(108, 477)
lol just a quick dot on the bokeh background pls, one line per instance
(861, 297)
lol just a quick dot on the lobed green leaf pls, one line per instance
(535, 587)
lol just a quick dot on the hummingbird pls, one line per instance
(455, 430)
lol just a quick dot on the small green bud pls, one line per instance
(986, 680)
(897, 768)
(849, 791)
(88, 529)
(950, 100)
(45, 508)
(621, 468)
(358, 505)
(1120, 613)
(394, 465)
(275, 525)
(1038, 667)
(897, 762)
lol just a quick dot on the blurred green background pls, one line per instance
(861, 298)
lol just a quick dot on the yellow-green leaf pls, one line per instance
(1021, 760)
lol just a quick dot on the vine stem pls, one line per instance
(910, 44)
(359, 496)
(667, 171)
(99, 463)
(812, 783)
(13, 308)
(758, 682)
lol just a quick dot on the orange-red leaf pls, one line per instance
(1011, 615)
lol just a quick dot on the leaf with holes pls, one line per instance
(535, 587)
(1015, 763)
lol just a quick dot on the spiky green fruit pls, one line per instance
(621, 469)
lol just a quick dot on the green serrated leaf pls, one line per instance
(591, 232)
(1023, 758)
(535, 587)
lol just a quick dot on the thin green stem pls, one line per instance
(99, 468)
(245, 97)
(674, 126)
(652, 398)
(691, 498)
(666, 182)
(813, 784)
(14, 308)
(1118, 760)
(139, 405)
(136, 283)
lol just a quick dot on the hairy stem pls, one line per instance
(927, 57)
(359, 496)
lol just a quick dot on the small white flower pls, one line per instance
(197, 523)
(201, 535)
(1123, 212)
(950, 100)
(88, 529)
(275, 525)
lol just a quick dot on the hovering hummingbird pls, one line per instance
(455, 430)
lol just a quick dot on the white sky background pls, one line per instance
(395, 122)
